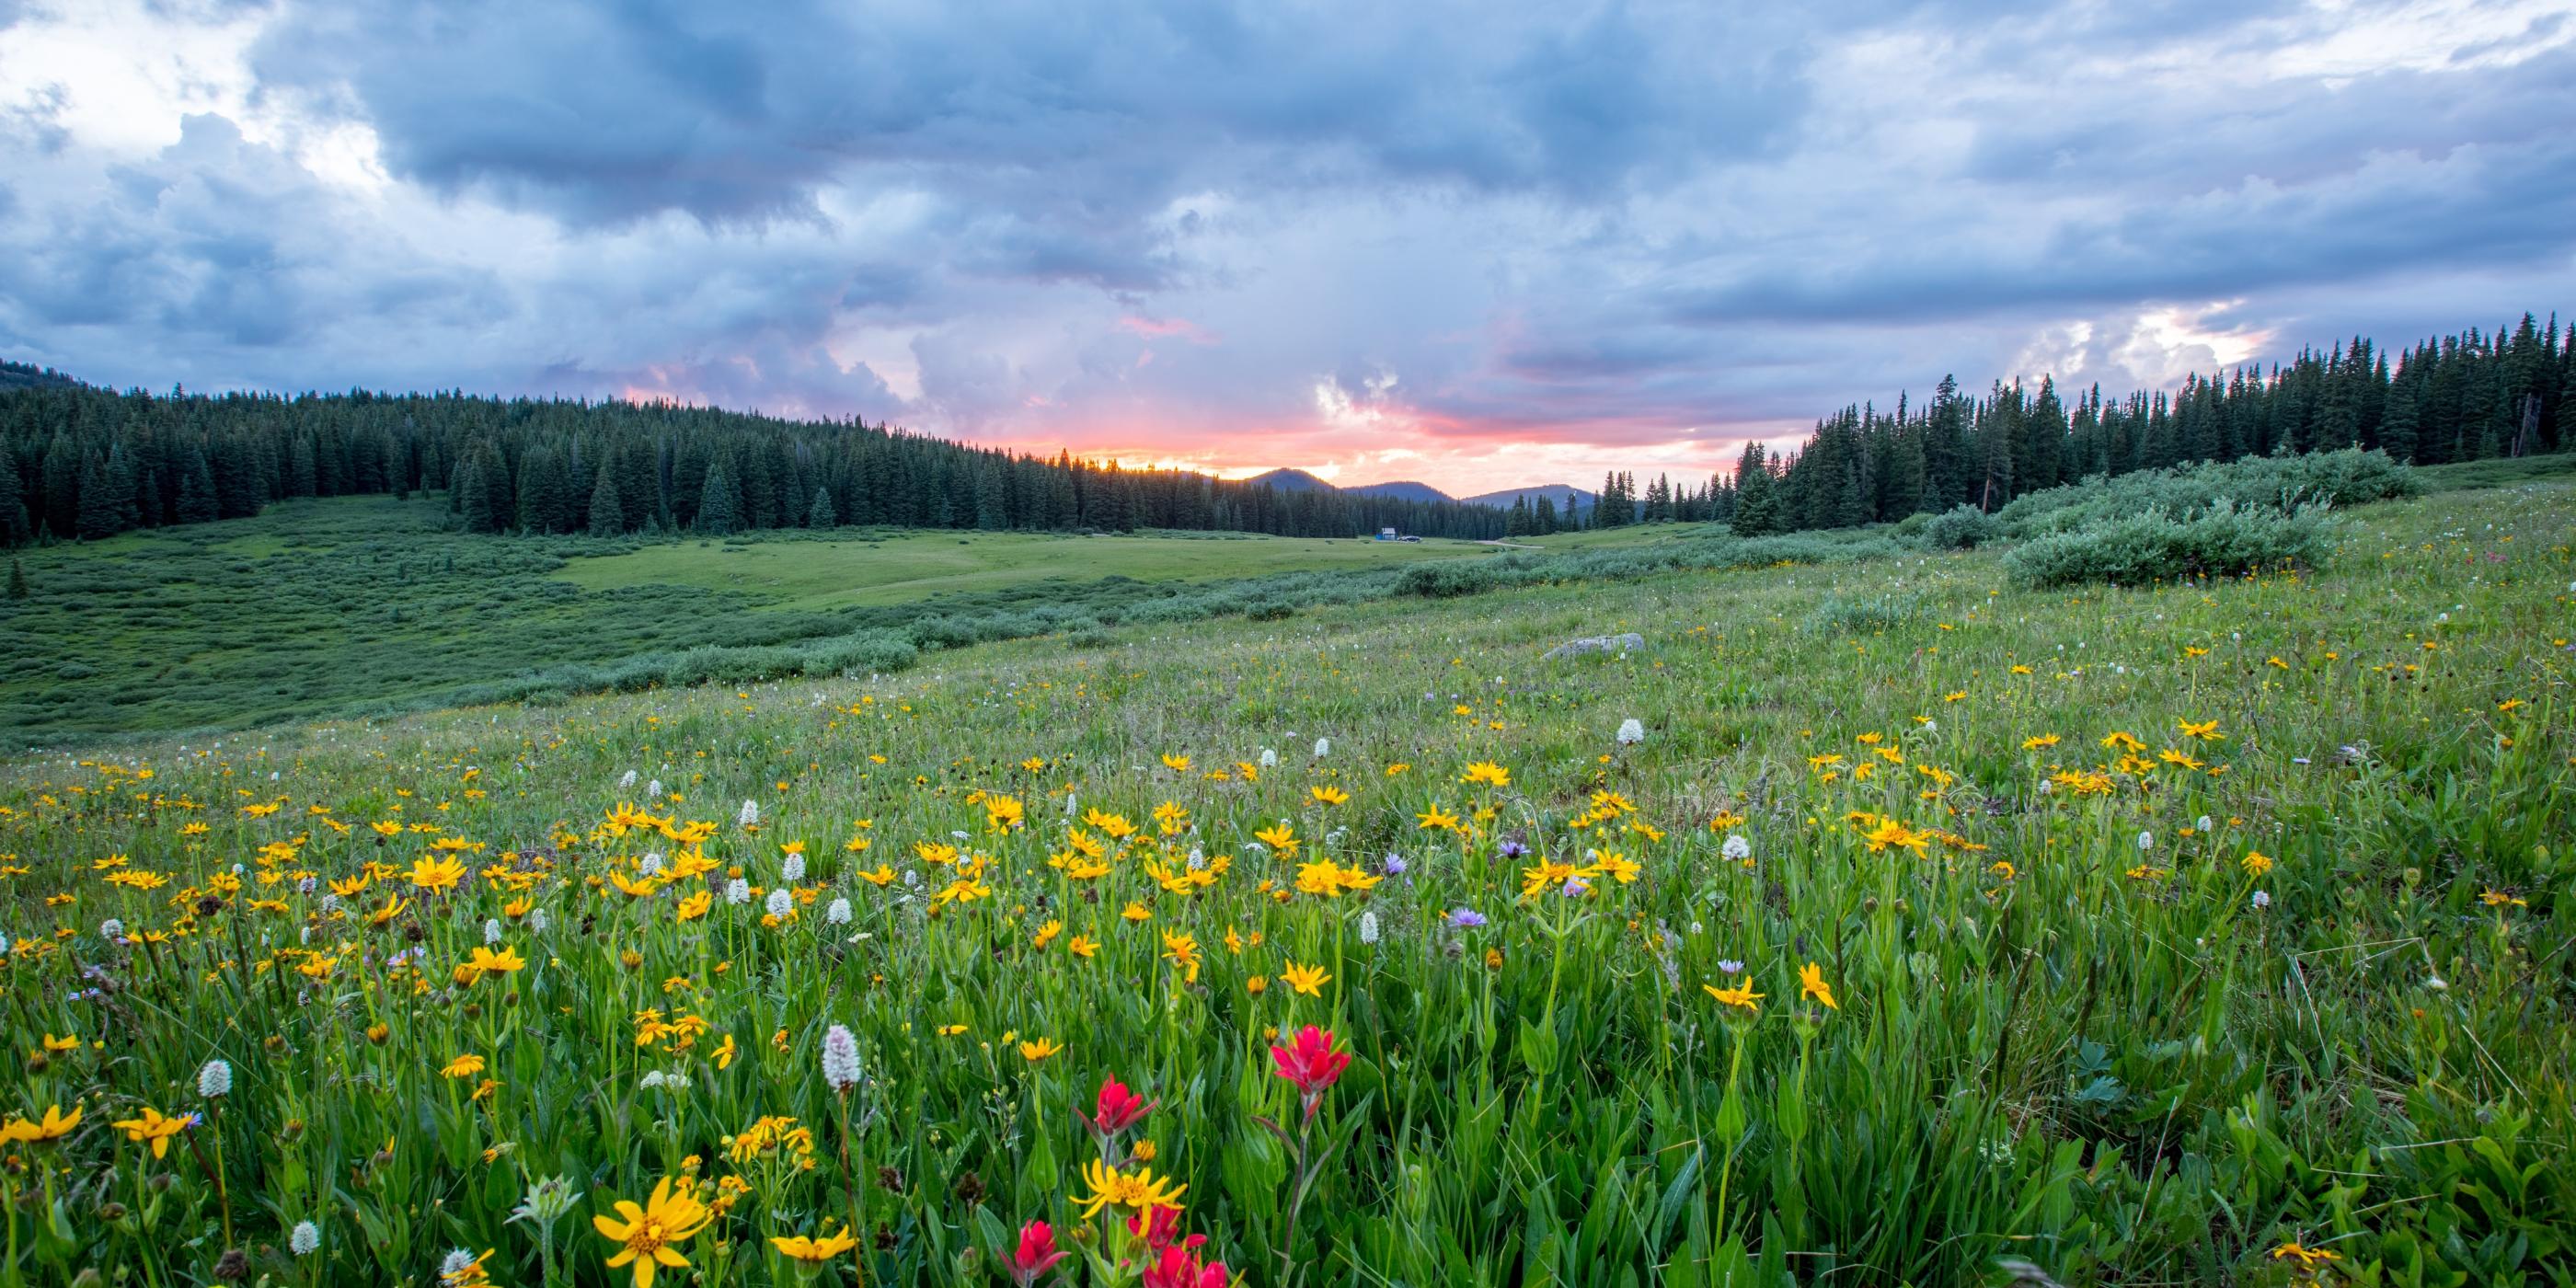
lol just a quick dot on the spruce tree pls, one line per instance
(715, 504)
(821, 514)
(18, 580)
(1756, 506)
(14, 524)
(607, 511)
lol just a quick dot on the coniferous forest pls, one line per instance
(79, 462)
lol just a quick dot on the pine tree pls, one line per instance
(607, 510)
(2398, 425)
(15, 526)
(18, 580)
(473, 498)
(102, 511)
(198, 501)
(715, 504)
(821, 514)
(1755, 505)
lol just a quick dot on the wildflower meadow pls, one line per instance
(1895, 921)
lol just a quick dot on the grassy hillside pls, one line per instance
(370, 604)
(2190, 934)
(900, 567)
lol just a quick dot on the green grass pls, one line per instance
(903, 566)
(2500, 472)
(370, 605)
(2069, 1031)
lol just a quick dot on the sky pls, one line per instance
(1478, 244)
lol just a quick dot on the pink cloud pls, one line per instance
(1166, 328)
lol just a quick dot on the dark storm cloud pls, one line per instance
(1158, 224)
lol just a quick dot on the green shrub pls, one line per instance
(2224, 540)
(1962, 527)
(2347, 477)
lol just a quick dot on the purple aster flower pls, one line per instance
(1466, 919)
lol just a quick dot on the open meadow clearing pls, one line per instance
(898, 567)
(1875, 923)
(373, 604)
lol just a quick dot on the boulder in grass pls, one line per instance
(1597, 644)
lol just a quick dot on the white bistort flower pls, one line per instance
(306, 1240)
(1631, 732)
(1736, 848)
(793, 870)
(216, 1079)
(737, 891)
(750, 815)
(840, 1058)
(839, 913)
(781, 903)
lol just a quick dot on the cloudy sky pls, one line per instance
(1480, 244)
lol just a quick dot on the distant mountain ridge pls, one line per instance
(1568, 500)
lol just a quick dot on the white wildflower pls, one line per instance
(750, 815)
(793, 870)
(538, 920)
(491, 930)
(781, 903)
(737, 891)
(653, 789)
(1368, 927)
(457, 1263)
(839, 913)
(2262, 900)
(216, 1079)
(1323, 748)
(1269, 758)
(628, 780)
(111, 929)
(2146, 840)
(840, 1058)
(2203, 824)
(306, 1240)
(1631, 732)
(1736, 848)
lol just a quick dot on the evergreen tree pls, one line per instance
(1756, 506)
(473, 498)
(715, 504)
(607, 509)
(18, 588)
(196, 500)
(820, 514)
(15, 525)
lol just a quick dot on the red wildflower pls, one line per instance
(1181, 1268)
(1118, 1110)
(1310, 1063)
(1037, 1255)
(1159, 1228)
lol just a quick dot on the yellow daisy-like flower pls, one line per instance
(1742, 997)
(1138, 1191)
(646, 1233)
(1309, 980)
(811, 1252)
(1811, 983)
(1040, 1049)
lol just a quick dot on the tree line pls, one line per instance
(2465, 397)
(80, 462)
